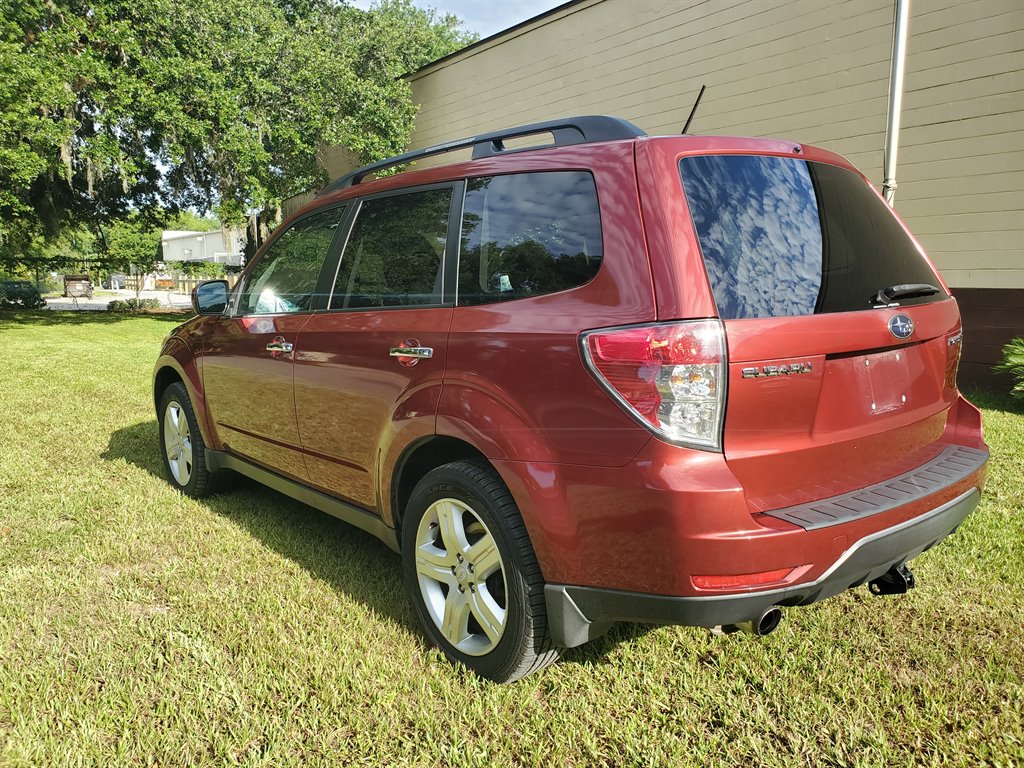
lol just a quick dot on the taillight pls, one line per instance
(954, 346)
(670, 377)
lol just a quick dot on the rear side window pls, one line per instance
(395, 251)
(784, 237)
(528, 234)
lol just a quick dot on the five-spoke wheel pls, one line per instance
(177, 443)
(472, 572)
(182, 444)
(461, 576)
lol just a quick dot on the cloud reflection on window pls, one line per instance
(759, 230)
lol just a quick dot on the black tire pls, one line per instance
(525, 645)
(200, 481)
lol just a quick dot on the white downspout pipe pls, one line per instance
(900, 24)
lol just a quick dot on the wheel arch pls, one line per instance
(419, 458)
(176, 364)
(162, 379)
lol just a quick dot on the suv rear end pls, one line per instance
(810, 434)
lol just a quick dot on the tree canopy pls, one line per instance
(130, 109)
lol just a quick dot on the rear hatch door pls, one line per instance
(840, 334)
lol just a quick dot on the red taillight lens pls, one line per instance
(671, 377)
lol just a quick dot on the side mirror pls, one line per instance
(210, 297)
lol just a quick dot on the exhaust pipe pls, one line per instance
(764, 623)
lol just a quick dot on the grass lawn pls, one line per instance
(139, 627)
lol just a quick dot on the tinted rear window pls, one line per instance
(784, 237)
(528, 234)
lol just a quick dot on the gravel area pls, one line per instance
(166, 298)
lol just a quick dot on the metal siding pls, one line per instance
(807, 71)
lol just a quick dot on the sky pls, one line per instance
(486, 17)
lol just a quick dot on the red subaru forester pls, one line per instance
(680, 380)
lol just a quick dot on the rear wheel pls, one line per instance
(182, 445)
(472, 573)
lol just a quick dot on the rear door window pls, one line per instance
(395, 252)
(785, 237)
(528, 234)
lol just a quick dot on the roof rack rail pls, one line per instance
(569, 130)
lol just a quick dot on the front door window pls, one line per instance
(284, 280)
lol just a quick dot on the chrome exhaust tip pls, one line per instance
(764, 623)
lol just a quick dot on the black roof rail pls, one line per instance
(568, 130)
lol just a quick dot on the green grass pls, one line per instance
(139, 627)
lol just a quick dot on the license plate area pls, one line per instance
(885, 380)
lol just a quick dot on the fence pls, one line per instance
(178, 284)
(186, 284)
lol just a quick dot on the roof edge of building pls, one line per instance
(495, 38)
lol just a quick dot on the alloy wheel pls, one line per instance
(461, 576)
(177, 443)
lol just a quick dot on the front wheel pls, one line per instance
(182, 445)
(473, 575)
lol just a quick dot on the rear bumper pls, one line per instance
(577, 614)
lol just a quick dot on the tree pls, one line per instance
(131, 242)
(118, 107)
(191, 222)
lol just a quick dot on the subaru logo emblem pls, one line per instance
(901, 326)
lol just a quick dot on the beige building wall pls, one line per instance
(812, 71)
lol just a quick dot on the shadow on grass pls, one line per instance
(348, 559)
(13, 319)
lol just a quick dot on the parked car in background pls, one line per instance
(679, 379)
(78, 286)
(20, 294)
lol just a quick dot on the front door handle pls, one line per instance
(279, 345)
(419, 352)
(409, 352)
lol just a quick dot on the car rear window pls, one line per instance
(784, 237)
(528, 234)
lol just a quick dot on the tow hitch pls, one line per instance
(896, 581)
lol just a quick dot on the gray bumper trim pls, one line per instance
(952, 465)
(578, 614)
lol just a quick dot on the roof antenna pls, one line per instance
(693, 111)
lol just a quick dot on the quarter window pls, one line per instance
(528, 234)
(395, 253)
(284, 279)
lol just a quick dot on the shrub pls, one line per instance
(202, 269)
(133, 305)
(1013, 364)
(19, 294)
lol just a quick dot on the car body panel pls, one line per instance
(178, 356)
(249, 389)
(351, 395)
(674, 512)
(515, 384)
